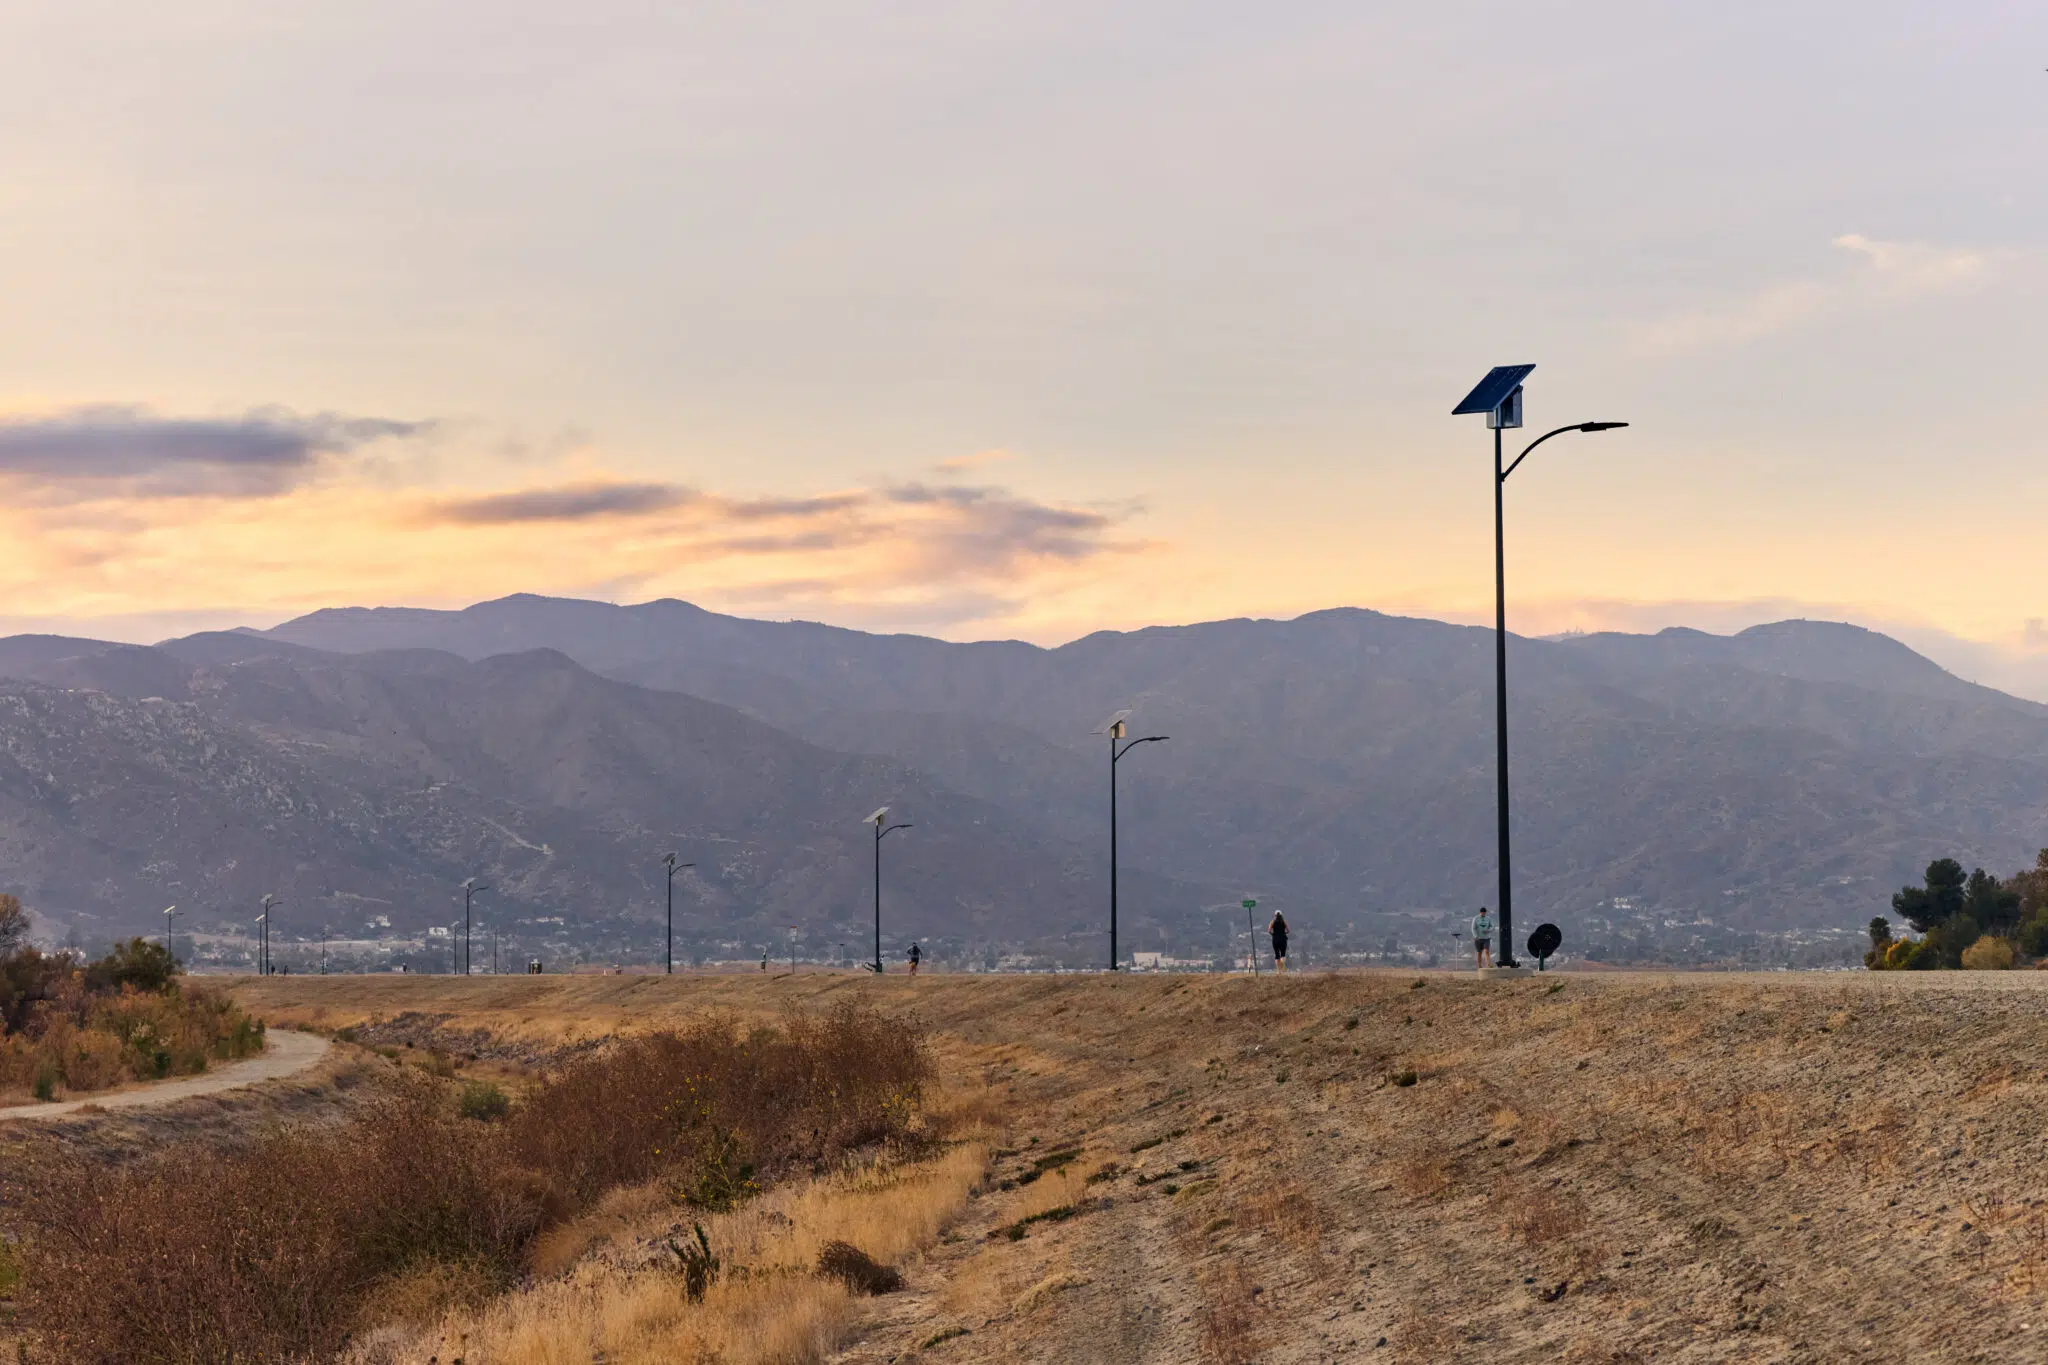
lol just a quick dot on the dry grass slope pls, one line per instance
(1586, 1168)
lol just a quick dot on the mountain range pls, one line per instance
(1338, 765)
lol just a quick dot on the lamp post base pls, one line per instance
(1500, 973)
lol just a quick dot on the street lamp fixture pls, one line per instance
(882, 831)
(669, 862)
(1118, 747)
(1499, 397)
(169, 911)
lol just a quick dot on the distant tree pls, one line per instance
(1990, 902)
(2032, 886)
(1938, 901)
(140, 962)
(1880, 931)
(13, 926)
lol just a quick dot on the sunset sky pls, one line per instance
(1026, 319)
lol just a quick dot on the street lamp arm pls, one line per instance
(889, 831)
(1149, 739)
(1576, 426)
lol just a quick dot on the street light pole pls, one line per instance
(1114, 728)
(881, 832)
(469, 890)
(270, 904)
(170, 911)
(672, 865)
(1499, 396)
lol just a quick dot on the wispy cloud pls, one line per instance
(131, 452)
(1872, 274)
(572, 502)
(925, 530)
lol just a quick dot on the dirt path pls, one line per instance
(286, 1053)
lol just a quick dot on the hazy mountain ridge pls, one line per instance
(381, 780)
(1345, 758)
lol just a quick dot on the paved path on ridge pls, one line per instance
(287, 1053)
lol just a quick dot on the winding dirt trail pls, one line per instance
(286, 1053)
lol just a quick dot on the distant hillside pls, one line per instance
(1791, 774)
(211, 770)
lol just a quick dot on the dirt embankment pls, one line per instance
(1605, 1168)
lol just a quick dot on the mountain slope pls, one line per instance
(1344, 760)
(381, 780)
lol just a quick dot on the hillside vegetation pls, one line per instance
(72, 1026)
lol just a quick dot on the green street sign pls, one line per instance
(1251, 905)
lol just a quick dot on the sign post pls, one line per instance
(1251, 934)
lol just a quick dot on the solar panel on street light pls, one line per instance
(876, 818)
(1111, 724)
(1493, 390)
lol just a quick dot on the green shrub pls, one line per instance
(483, 1101)
(2033, 935)
(142, 963)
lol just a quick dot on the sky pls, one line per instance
(1026, 319)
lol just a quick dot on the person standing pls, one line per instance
(1277, 928)
(916, 956)
(1482, 938)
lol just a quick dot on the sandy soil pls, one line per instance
(286, 1053)
(1422, 1167)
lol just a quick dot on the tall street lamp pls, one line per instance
(270, 904)
(1114, 728)
(469, 890)
(1499, 397)
(673, 867)
(169, 911)
(882, 831)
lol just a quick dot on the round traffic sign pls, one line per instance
(1545, 941)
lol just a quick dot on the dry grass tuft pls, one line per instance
(1288, 1213)
(1425, 1340)
(1426, 1175)
(1229, 1318)
(1046, 1289)
(1546, 1216)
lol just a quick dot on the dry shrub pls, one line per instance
(1544, 1216)
(273, 1252)
(1229, 1318)
(767, 1308)
(858, 1271)
(1988, 954)
(1425, 1175)
(262, 1254)
(725, 1109)
(1288, 1213)
(1425, 1338)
